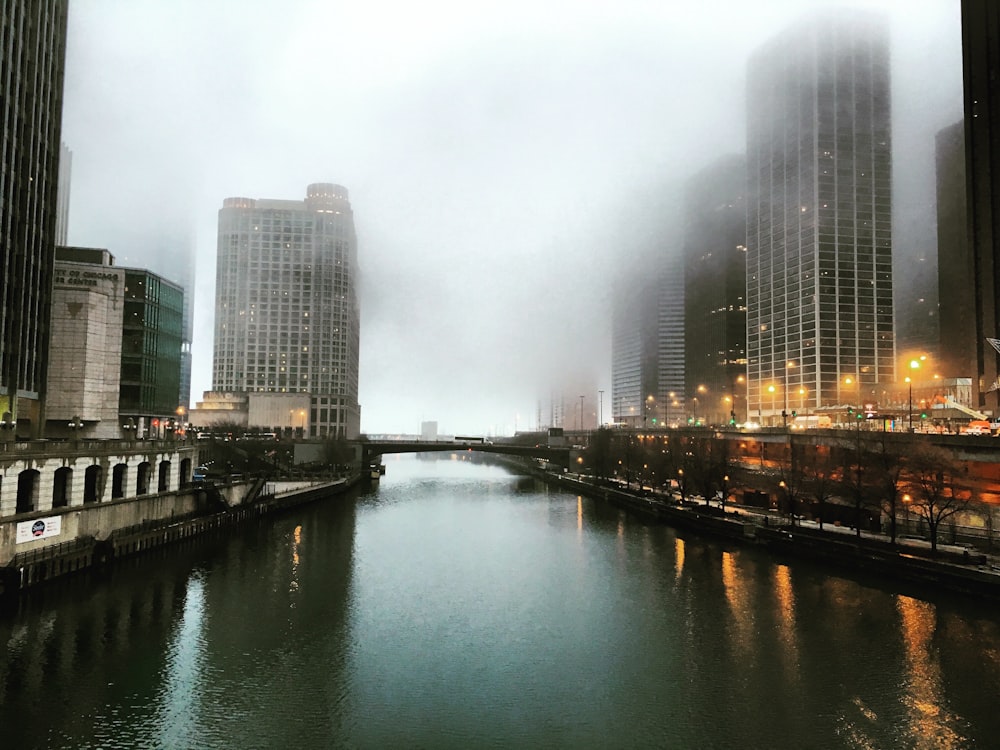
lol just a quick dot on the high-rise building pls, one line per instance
(32, 57)
(62, 194)
(981, 72)
(286, 312)
(715, 275)
(956, 273)
(819, 216)
(647, 368)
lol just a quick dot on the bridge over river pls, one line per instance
(370, 449)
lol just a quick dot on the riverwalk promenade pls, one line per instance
(955, 568)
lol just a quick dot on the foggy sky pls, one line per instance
(505, 162)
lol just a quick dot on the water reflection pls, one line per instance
(741, 606)
(453, 606)
(787, 630)
(930, 723)
(182, 692)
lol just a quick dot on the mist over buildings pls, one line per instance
(511, 167)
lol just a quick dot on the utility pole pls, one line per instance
(600, 394)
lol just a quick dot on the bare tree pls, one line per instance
(854, 477)
(791, 477)
(821, 473)
(887, 462)
(936, 498)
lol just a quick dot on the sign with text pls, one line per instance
(40, 528)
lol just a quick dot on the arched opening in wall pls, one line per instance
(62, 486)
(91, 484)
(142, 478)
(27, 491)
(163, 482)
(185, 476)
(119, 478)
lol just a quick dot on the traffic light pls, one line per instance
(732, 417)
(923, 415)
(794, 414)
(690, 420)
(654, 420)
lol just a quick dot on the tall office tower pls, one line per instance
(715, 278)
(32, 56)
(62, 194)
(286, 313)
(981, 73)
(647, 368)
(956, 273)
(819, 216)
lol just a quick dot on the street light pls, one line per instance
(914, 365)
(76, 424)
(771, 389)
(7, 423)
(784, 411)
(129, 428)
(600, 408)
(581, 412)
(909, 386)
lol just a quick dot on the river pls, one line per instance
(456, 605)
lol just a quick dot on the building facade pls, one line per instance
(956, 272)
(287, 319)
(819, 216)
(981, 73)
(84, 364)
(33, 49)
(647, 350)
(152, 327)
(715, 314)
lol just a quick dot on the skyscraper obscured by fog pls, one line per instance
(647, 350)
(715, 275)
(819, 216)
(981, 74)
(956, 270)
(33, 49)
(287, 321)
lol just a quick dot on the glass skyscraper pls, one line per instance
(819, 216)
(32, 60)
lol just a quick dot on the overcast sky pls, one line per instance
(504, 160)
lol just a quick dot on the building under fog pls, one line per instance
(819, 216)
(956, 272)
(715, 315)
(32, 58)
(287, 323)
(981, 71)
(647, 350)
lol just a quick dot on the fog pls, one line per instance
(506, 162)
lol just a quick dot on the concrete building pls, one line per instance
(819, 215)
(286, 316)
(84, 363)
(32, 57)
(715, 276)
(981, 72)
